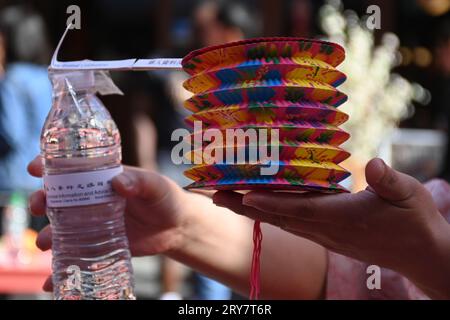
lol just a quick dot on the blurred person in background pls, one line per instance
(218, 22)
(25, 98)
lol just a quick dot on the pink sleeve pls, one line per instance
(347, 277)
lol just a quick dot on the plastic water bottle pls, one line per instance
(81, 151)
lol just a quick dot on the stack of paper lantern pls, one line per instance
(287, 84)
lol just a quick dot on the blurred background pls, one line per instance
(398, 86)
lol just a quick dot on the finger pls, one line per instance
(221, 197)
(336, 208)
(48, 285)
(325, 234)
(36, 203)
(35, 167)
(233, 201)
(44, 239)
(390, 184)
(147, 185)
(229, 199)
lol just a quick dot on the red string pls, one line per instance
(255, 271)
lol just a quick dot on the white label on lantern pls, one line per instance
(81, 188)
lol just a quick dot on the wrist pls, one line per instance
(187, 213)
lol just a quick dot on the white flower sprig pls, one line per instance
(378, 99)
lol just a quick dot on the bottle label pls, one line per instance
(81, 188)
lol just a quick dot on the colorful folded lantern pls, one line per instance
(287, 84)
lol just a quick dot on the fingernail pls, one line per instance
(38, 242)
(251, 198)
(220, 205)
(248, 199)
(125, 181)
(220, 199)
(217, 201)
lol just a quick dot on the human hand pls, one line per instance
(394, 223)
(153, 215)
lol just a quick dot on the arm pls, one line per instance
(162, 218)
(219, 244)
(395, 223)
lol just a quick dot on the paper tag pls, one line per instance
(80, 189)
(160, 63)
(127, 64)
(93, 65)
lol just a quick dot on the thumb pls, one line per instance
(390, 184)
(145, 185)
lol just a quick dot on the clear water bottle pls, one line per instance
(81, 151)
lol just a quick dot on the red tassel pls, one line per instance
(255, 271)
